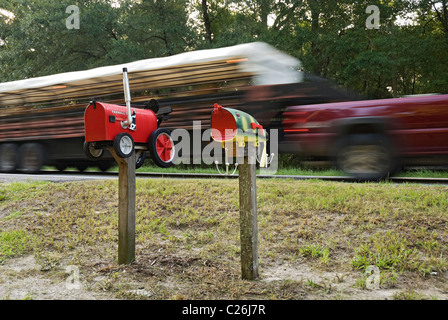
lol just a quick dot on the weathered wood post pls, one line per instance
(248, 218)
(126, 208)
(241, 133)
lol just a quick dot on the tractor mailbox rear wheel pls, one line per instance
(161, 147)
(124, 145)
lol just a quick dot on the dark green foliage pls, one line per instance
(329, 36)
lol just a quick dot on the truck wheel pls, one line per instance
(81, 166)
(161, 147)
(8, 157)
(31, 157)
(124, 145)
(105, 165)
(365, 156)
(141, 157)
(61, 166)
(91, 152)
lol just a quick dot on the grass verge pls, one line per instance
(316, 238)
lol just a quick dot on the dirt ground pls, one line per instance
(23, 279)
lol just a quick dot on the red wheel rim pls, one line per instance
(164, 146)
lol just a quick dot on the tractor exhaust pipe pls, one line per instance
(127, 99)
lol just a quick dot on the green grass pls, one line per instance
(187, 235)
(421, 173)
(290, 170)
(14, 243)
(213, 170)
(315, 251)
(387, 251)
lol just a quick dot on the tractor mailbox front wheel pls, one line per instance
(161, 147)
(124, 145)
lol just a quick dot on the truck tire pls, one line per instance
(31, 157)
(161, 147)
(61, 166)
(91, 152)
(124, 145)
(8, 157)
(365, 156)
(81, 166)
(105, 165)
(140, 159)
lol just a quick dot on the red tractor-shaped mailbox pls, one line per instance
(127, 128)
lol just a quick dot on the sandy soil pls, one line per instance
(22, 278)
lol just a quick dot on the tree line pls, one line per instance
(407, 54)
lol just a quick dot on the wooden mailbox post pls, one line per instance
(242, 133)
(126, 208)
(248, 218)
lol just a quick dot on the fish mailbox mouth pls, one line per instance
(223, 124)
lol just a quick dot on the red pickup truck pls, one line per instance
(371, 139)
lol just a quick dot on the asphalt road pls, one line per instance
(54, 177)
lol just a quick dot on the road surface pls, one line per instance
(54, 177)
